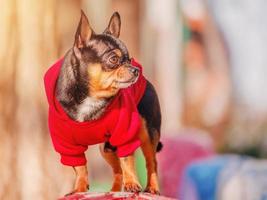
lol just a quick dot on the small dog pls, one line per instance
(98, 95)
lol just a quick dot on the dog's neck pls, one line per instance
(90, 109)
(73, 94)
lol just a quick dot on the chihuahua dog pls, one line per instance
(97, 94)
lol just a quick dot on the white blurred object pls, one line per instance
(244, 27)
(193, 9)
(164, 17)
(248, 183)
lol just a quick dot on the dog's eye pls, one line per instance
(114, 59)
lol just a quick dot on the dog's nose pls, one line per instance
(134, 70)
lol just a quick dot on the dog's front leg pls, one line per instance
(81, 182)
(130, 180)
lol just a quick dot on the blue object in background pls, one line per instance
(200, 178)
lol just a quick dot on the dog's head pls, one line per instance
(104, 58)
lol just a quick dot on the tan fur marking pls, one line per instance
(130, 180)
(104, 84)
(101, 83)
(81, 182)
(114, 162)
(123, 73)
(117, 52)
(149, 151)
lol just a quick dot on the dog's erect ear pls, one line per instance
(114, 25)
(83, 34)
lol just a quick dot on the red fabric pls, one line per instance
(121, 120)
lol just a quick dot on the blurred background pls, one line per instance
(207, 60)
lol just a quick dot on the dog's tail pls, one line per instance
(159, 147)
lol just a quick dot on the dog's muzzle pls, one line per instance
(134, 70)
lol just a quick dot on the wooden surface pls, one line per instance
(114, 195)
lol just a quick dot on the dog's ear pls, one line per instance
(114, 25)
(83, 34)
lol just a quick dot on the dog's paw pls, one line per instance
(132, 187)
(71, 193)
(152, 190)
(82, 188)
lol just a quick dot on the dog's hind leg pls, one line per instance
(149, 148)
(114, 162)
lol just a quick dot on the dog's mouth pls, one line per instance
(127, 83)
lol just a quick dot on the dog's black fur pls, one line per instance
(149, 109)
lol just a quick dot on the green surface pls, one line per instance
(99, 187)
(141, 167)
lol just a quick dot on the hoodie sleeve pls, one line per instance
(72, 154)
(129, 148)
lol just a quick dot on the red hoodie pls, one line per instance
(119, 125)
